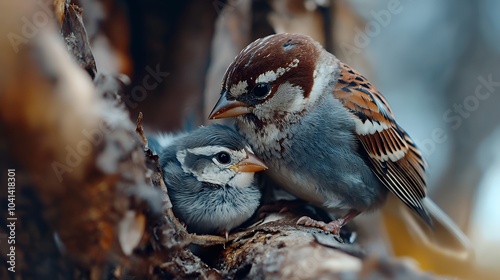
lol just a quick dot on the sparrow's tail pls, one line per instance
(444, 249)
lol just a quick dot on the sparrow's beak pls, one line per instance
(251, 164)
(228, 108)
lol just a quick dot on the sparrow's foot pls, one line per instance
(332, 227)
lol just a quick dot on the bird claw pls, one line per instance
(333, 227)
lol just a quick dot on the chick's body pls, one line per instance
(209, 174)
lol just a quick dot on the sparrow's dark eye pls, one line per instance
(223, 157)
(261, 90)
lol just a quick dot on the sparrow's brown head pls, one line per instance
(271, 78)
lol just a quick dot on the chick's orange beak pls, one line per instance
(251, 164)
(228, 108)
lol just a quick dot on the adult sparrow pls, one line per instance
(326, 133)
(209, 174)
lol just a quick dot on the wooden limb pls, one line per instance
(278, 248)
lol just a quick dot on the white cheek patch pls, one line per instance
(287, 102)
(289, 98)
(214, 175)
(271, 76)
(242, 180)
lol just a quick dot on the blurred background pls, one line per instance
(436, 62)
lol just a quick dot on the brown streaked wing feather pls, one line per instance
(395, 159)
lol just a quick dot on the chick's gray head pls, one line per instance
(218, 155)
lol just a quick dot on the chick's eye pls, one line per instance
(261, 90)
(223, 157)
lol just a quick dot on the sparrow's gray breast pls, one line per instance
(316, 158)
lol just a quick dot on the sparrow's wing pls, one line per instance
(393, 156)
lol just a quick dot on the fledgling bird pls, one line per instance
(326, 133)
(209, 174)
